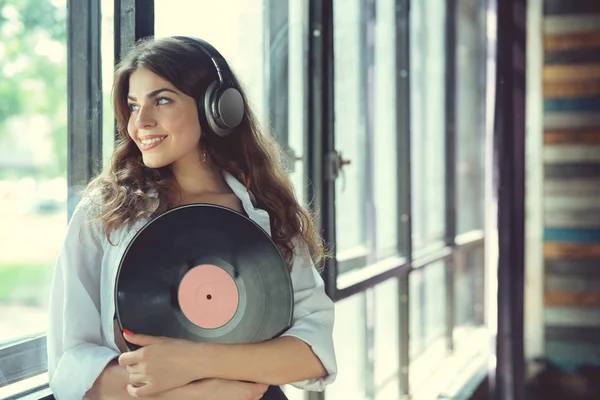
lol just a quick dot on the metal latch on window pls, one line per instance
(335, 164)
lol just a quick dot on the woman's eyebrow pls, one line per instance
(153, 93)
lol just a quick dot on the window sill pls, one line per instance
(35, 388)
(459, 375)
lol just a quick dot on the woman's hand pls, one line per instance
(221, 389)
(210, 389)
(161, 364)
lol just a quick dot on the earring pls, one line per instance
(203, 155)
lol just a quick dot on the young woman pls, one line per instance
(187, 136)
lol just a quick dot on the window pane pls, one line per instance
(470, 73)
(468, 291)
(427, 70)
(263, 44)
(350, 125)
(387, 352)
(427, 299)
(297, 111)
(428, 344)
(385, 176)
(365, 130)
(416, 311)
(33, 159)
(108, 61)
(349, 336)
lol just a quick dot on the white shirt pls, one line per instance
(81, 340)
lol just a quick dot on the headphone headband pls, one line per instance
(222, 106)
(217, 59)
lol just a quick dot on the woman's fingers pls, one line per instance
(259, 389)
(137, 379)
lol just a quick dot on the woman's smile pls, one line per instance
(150, 142)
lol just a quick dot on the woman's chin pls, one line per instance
(153, 162)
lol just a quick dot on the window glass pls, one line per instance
(470, 90)
(349, 338)
(385, 159)
(427, 301)
(387, 334)
(33, 160)
(108, 62)
(365, 131)
(469, 291)
(350, 115)
(427, 69)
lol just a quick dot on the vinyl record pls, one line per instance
(204, 273)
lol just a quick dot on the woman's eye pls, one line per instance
(133, 107)
(162, 101)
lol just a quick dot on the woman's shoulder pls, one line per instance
(86, 208)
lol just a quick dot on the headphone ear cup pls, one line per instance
(206, 108)
(229, 107)
(223, 108)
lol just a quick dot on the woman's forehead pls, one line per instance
(143, 81)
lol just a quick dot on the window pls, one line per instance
(428, 312)
(351, 350)
(446, 93)
(406, 301)
(470, 89)
(427, 69)
(469, 292)
(108, 62)
(365, 132)
(351, 127)
(33, 167)
(468, 266)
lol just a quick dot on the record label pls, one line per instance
(208, 296)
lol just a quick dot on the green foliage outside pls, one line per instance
(33, 73)
(25, 283)
(33, 84)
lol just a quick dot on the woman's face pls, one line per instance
(163, 122)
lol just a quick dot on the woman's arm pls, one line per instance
(112, 382)
(304, 356)
(77, 353)
(274, 362)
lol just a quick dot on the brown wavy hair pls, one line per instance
(121, 192)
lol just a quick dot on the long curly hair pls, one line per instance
(121, 193)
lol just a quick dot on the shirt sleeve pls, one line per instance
(313, 317)
(76, 351)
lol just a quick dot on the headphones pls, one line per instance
(222, 106)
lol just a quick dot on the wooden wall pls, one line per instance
(571, 90)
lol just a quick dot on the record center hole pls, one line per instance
(209, 296)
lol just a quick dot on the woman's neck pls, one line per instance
(196, 178)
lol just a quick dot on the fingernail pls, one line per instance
(127, 332)
(127, 388)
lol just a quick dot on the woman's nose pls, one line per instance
(145, 118)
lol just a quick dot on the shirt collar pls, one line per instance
(261, 217)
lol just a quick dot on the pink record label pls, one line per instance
(208, 296)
